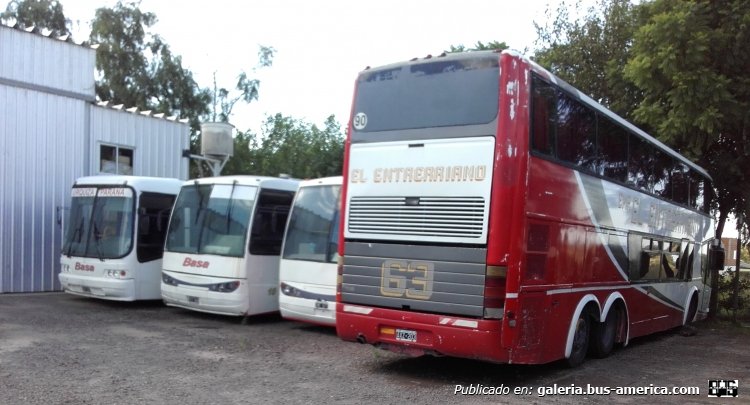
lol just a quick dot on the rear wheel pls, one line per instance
(580, 340)
(604, 334)
(692, 309)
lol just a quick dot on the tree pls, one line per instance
(224, 101)
(38, 13)
(138, 69)
(690, 63)
(590, 52)
(290, 146)
(480, 46)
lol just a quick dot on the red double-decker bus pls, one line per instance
(493, 211)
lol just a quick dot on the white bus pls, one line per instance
(223, 245)
(307, 273)
(114, 237)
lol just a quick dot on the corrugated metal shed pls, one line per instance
(51, 133)
(32, 60)
(157, 142)
(42, 149)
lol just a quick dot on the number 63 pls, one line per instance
(397, 274)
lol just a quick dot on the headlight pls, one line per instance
(225, 287)
(286, 289)
(118, 274)
(168, 280)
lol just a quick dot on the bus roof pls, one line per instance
(276, 183)
(162, 185)
(555, 80)
(323, 181)
(608, 113)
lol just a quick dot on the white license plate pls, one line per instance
(321, 305)
(193, 300)
(406, 335)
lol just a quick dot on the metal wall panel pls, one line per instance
(46, 64)
(41, 154)
(157, 143)
(50, 135)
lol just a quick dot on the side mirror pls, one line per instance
(716, 257)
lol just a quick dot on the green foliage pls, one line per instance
(38, 13)
(590, 52)
(292, 147)
(726, 293)
(138, 69)
(480, 46)
(691, 63)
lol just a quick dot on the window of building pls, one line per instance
(115, 159)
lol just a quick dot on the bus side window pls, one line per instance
(635, 256)
(267, 230)
(543, 117)
(153, 216)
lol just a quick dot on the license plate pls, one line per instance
(86, 289)
(406, 335)
(321, 305)
(194, 300)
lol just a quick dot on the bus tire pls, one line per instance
(692, 309)
(580, 340)
(603, 334)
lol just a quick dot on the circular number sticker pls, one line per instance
(360, 121)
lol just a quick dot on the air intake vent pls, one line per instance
(418, 216)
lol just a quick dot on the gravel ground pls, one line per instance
(61, 349)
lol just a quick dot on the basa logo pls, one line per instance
(195, 263)
(84, 267)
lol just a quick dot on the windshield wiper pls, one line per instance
(200, 202)
(197, 215)
(97, 236)
(229, 207)
(78, 232)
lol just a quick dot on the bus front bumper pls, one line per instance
(205, 301)
(307, 310)
(97, 287)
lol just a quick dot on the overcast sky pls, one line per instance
(321, 45)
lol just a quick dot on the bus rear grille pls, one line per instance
(418, 216)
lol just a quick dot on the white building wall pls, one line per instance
(157, 143)
(50, 134)
(41, 153)
(46, 64)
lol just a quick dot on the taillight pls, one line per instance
(494, 291)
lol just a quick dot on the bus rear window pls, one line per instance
(425, 95)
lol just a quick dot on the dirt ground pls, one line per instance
(60, 349)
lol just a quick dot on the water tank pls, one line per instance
(216, 139)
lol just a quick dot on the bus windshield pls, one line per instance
(101, 223)
(433, 94)
(211, 219)
(313, 227)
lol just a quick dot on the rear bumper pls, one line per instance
(97, 287)
(435, 334)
